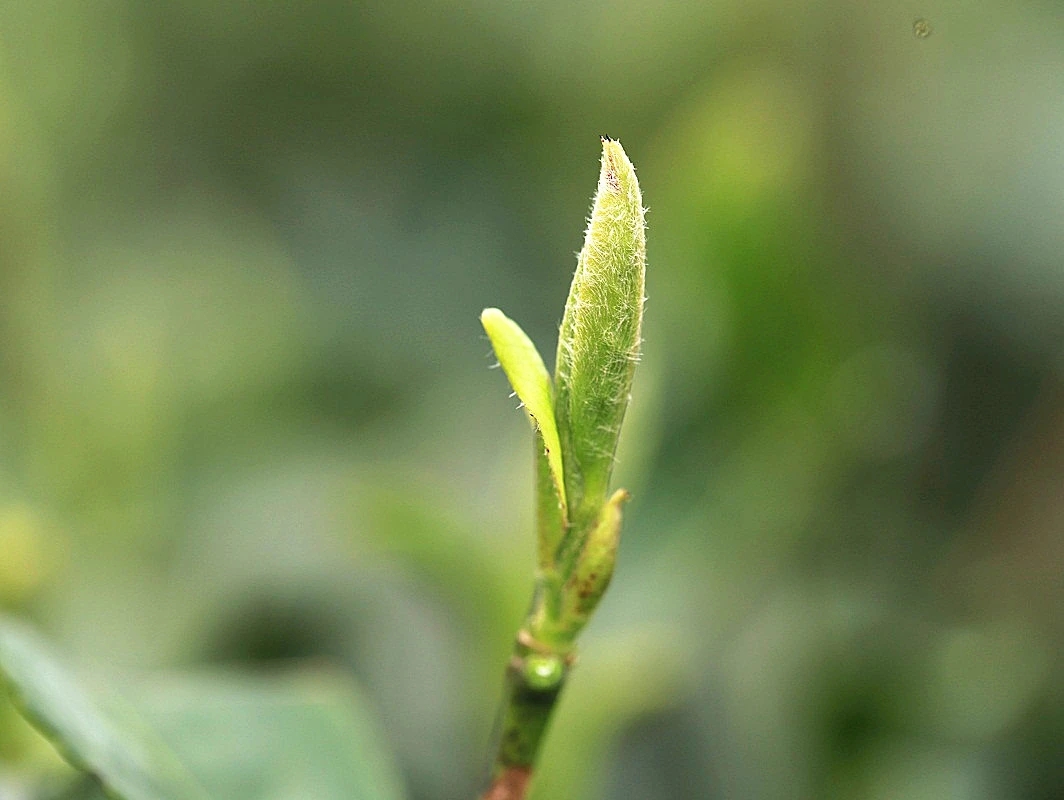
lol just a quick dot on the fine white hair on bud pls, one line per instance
(577, 417)
(598, 345)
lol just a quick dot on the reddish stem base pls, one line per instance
(510, 784)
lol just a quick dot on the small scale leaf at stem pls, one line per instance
(593, 570)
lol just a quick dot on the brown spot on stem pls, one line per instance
(511, 784)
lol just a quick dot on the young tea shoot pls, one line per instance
(576, 419)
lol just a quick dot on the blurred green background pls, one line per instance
(246, 415)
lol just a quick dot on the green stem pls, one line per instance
(535, 677)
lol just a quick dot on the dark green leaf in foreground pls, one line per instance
(101, 737)
(297, 736)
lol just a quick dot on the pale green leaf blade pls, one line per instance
(102, 737)
(529, 378)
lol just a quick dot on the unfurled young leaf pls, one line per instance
(530, 380)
